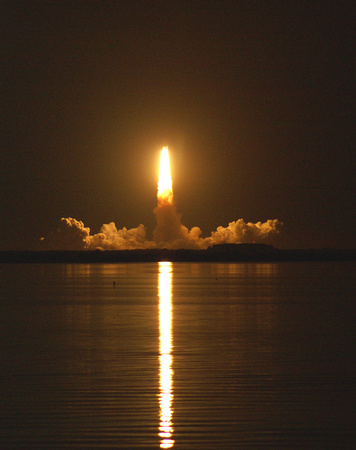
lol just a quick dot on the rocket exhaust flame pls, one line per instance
(165, 191)
(169, 228)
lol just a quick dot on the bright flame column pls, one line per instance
(165, 191)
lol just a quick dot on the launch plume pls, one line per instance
(169, 232)
(165, 189)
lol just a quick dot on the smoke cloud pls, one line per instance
(71, 234)
(242, 232)
(170, 232)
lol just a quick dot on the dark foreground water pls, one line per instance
(177, 356)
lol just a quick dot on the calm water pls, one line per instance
(177, 355)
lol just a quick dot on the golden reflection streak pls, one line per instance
(165, 357)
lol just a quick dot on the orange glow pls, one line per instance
(165, 356)
(165, 191)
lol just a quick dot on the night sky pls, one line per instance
(253, 99)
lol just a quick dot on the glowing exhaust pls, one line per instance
(165, 191)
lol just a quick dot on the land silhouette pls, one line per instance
(216, 253)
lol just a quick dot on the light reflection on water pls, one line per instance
(165, 356)
(261, 355)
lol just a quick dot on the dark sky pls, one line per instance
(254, 100)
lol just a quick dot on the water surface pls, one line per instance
(200, 355)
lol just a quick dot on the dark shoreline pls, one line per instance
(217, 253)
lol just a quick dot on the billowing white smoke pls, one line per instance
(242, 232)
(110, 238)
(71, 234)
(171, 233)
